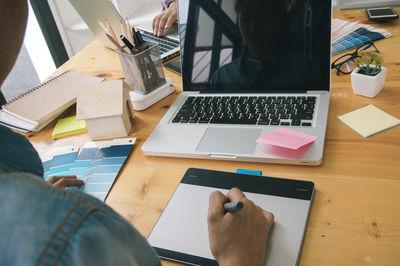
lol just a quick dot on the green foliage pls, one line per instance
(365, 60)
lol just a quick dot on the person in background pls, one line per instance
(166, 18)
(45, 225)
(267, 56)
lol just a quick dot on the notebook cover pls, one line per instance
(55, 95)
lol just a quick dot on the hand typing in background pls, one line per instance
(166, 18)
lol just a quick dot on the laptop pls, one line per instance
(247, 68)
(105, 10)
(180, 233)
(168, 43)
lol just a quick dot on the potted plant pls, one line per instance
(369, 76)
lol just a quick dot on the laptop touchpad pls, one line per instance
(229, 140)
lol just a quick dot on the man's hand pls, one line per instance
(65, 181)
(165, 20)
(240, 237)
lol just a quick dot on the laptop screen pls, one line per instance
(255, 45)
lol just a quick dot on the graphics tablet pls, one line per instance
(181, 234)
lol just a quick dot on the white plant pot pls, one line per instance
(368, 86)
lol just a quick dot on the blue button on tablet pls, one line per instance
(248, 172)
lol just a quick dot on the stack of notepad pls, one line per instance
(347, 35)
(36, 108)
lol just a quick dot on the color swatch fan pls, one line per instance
(97, 164)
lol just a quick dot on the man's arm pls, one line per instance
(105, 238)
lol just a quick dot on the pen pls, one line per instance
(139, 36)
(127, 43)
(134, 35)
(233, 206)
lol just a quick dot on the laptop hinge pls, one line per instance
(253, 91)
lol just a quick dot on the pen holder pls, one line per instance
(143, 70)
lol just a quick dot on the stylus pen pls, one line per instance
(233, 206)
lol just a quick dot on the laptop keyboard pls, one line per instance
(253, 110)
(166, 44)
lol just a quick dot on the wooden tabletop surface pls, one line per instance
(355, 215)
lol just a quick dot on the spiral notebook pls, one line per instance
(45, 102)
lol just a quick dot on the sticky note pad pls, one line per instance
(68, 126)
(369, 120)
(287, 138)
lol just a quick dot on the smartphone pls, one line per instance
(174, 66)
(381, 14)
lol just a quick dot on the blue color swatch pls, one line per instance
(96, 166)
(59, 164)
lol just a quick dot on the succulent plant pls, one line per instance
(369, 63)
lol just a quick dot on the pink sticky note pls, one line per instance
(286, 138)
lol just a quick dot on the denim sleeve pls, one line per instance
(17, 154)
(104, 238)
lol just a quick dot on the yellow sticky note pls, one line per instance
(369, 120)
(68, 126)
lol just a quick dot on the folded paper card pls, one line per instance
(369, 120)
(106, 108)
(286, 138)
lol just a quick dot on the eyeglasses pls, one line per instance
(345, 64)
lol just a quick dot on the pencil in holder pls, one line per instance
(143, 69)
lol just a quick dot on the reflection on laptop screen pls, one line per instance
(255, 45)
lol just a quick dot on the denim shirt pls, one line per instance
(43, 225)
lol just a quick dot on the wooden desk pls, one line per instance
(355, 216)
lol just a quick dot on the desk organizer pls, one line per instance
(143, 70)
(143, 101)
